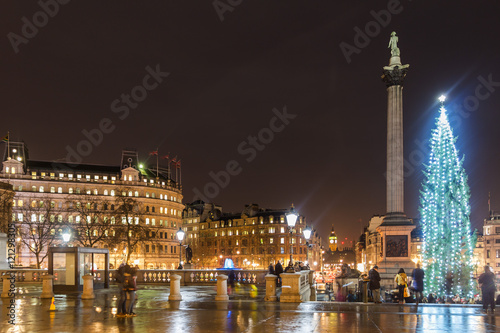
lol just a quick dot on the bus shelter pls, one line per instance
(68, 265)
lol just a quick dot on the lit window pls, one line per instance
(89, 192)
(105, 192)
(41, 189)
(52, 189)
(272, 230)
(61, 175)
(161, 196)
(129, 178)
(271, 219)
(136, 193)
(78, 176)
(96, 177)
(87, 177)
(113, 178)
(77, 190)
(70, 176)
(112, 193)
(282, 240)
(271, 240)
(59, 190)
(96, 192)
(52, 175)
(282, 229)
(70, 190)
(147, 220)
(105, 178)
(147, 194)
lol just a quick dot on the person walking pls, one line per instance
(374, 277)
(418, 282)
(120, 279)
(488, 288)
(278, 269)
(402, 281)
(130, 287)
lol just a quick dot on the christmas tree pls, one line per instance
(444, 209)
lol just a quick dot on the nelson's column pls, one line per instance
(395, 230)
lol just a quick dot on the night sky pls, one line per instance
(226, 77)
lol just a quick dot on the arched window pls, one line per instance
(59, 190)
(112, 193)
(147, 209)
(129, 193)
(105, 192)
(153, 209)
(136, 193)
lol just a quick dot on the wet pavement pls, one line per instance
(198, 312)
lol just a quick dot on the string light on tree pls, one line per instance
(444, 208)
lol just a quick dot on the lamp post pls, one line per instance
(307, 235)
(291, 219)
(180, 237)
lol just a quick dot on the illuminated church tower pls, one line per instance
(333, 240)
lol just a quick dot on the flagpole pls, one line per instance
(157, 153)
(8, 145)
(489, 203)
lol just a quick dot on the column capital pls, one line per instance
(394, 75)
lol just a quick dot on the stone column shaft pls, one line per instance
(395, 181)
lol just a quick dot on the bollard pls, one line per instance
(88, 287)
(175, 288)
(6, 287)
(222, 288)
(47, 286)
(271, 288)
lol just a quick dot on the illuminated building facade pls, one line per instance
(159, 197)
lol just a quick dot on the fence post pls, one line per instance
(47, 286)
(222, 288)
(175, 288)
(88, 287)
(271, 288)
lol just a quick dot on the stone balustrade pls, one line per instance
(296, 287)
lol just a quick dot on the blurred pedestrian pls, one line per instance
(488, 288)
(278, 269)
(130, 287)
(120, 278)
(374, 277)
(418, 282)
(402, 281)
(270, 269)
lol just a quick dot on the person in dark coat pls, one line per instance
(374, 277)
(418, 282)
(278, 269)
(271, 269)
(488, 288)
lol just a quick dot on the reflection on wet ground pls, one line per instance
(198, 312)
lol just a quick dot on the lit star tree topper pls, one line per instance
(444, 209)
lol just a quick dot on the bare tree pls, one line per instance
(6, 197)
(130, 228)
(93, 222)
(39, 225)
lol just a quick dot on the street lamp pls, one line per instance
(291, 219)
(180, 237)
(307, 235)
(66, 236)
